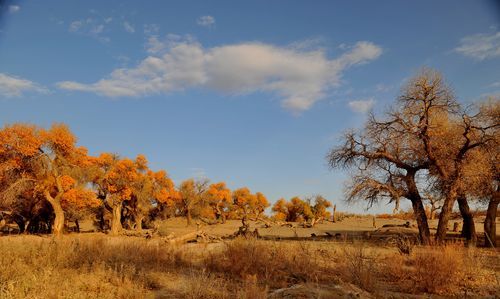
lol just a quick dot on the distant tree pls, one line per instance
(165, 195)
(320, 209)
(192, 194)
(260, 205)
(280, 210)
(435, 201)
(219, 200)
(246, 205)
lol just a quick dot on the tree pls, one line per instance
(481, 173)
(142, 193)
(280, 210)
(192, 194)
(46, 163)
(260, 204)
(320, 209)
(165, 196)
(434, 136)
(434, 203)
(114, 178)
(298, 210)
(385, 169)
(245, 204)
(219, 199)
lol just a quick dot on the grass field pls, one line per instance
(95, 265)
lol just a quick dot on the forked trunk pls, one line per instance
(55, 203)
(490, 232)
(468, 227)
(116, 223)
(58, 226)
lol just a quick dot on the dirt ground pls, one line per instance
(352, 227)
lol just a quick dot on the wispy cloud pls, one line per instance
(206, 21)
(12, 86)
(495, 84)
(361, 106)
(90, 27)
(14, 8)
(480, 46)
(128, 27)
(198, 173)
(383, 87)
(299, 77)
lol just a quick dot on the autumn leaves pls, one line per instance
(45, 179)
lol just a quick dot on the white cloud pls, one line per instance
(14, 8)
(480, 46)
(128, 27)
(11, 86)
(362, 106)
(299, 78)
(206, 21)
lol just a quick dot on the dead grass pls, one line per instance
(98, 266)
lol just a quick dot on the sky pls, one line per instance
(253, 93)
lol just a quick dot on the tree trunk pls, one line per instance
(116, 224)
(77, 225)
(468, 227)
(432, 213)
(55, 203)
(188, 216)
(444, 216)
(490, 225)
(423, 225)
(138, 223)
(19, 220)
(418, 209)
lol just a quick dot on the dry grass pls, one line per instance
(98, 266)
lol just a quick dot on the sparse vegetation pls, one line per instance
(83, 266)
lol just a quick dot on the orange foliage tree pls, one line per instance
(246, 204)
(219, 200)
(114, 178)
(50, 164)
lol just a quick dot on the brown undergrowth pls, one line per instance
(83, 266)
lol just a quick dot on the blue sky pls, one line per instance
(253, 93)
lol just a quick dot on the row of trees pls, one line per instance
(311, 210)
(46, 180)
(427, 143)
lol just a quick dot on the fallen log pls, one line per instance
(184, 238)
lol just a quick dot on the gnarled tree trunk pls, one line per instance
(55, 203)
(138, 223)
(418, 209)
(490, 232)
(445, 214)
(116, 223)
(423, 225)
(468, 227)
